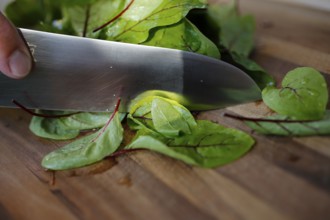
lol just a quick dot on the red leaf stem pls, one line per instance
(109, 121)
(241, 118)
(41, 115)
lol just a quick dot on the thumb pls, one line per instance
(15, 59)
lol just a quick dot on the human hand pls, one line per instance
(15, 59)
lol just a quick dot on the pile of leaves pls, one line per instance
(161, 124)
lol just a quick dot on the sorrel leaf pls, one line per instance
(170, 118)
(236, 31)
(284, 126)
(183, 36)
(209, 145)
(162, 115)
(84, 17)
(134, 25)
(87, 150)
(236, 40)
(303, 96)
(66, 128)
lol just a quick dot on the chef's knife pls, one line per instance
(80, 74)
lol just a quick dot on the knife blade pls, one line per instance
(81, 74)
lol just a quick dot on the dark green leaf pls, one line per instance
(256, 72)
(183, 36)
(236, 31)
(236, 40)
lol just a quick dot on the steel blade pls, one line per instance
(74, 73)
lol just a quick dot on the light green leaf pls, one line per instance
(134, 25)
(303, 96)
(66, 128)
(183, 36)
(170, 118)
(52, 129)
(283, 126)
(161, 115)
(84, 16)
(86, 150)
(209, 145)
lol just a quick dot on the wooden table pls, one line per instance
(281, 178)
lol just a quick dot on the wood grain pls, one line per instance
(281, 178)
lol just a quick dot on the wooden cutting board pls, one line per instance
(281, 178)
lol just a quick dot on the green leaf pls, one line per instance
(303, 96)
(134, 25)
(237, 34)
(161, 115)
(85, 16)
(170, 118)
(52, 129)
(66, 128)
(87, 150)
(183, 36)
(236, 40)
(209, 145)
(284, 126)
(236, 31)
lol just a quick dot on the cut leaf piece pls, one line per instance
(66, 128)
(209, 145)
(170, 118)
(303, 96)
(162, 115)
(86, 150)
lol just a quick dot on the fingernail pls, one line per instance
(20, 63)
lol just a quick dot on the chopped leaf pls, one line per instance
(183, 36)
(170, 118)
(209, 145)
(65, 128)
(303, 96)
(87, 150)
(161, 115)
(52, 128)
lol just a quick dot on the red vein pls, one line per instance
(115, 18)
